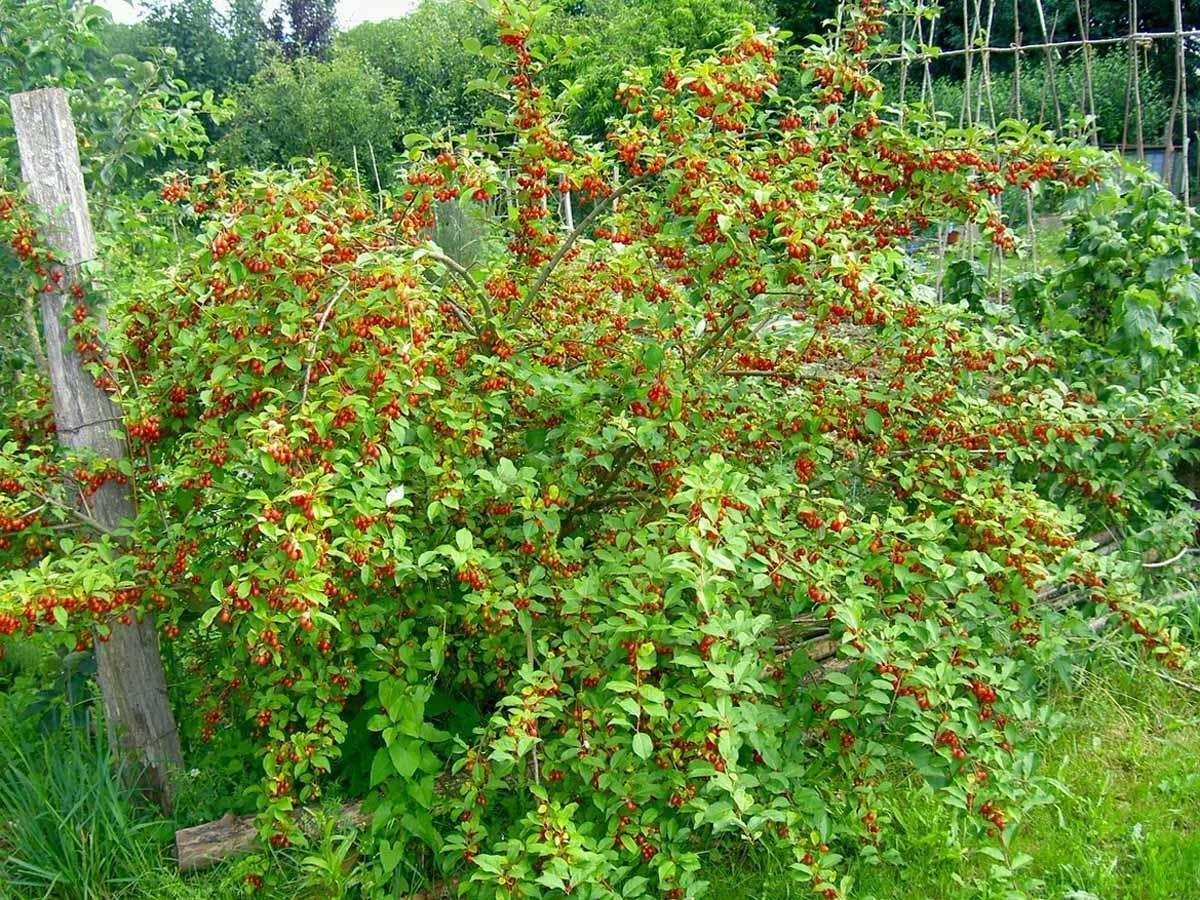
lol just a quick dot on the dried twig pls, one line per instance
(1174, 559)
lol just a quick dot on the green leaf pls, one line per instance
(390, 855)
(405, 756)
(653, 356)
(720, 560)
(464, 539)
(643, 746)
(381, 767)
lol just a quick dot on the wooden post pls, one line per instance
(141, 726)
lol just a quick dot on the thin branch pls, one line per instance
(312, 347)
(78, 428)
(458, 269)
(378, 183)
(1179, 682)
(29, 314)
(567, 244)
(777, 374)
(1174, 559)
(529, 658)
(620, 461)
(79, 514)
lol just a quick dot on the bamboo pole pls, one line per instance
(1137, 85)
(904, 63)
(1017, 109)
(927, 76)
(1089, 96)
(1052, 81)
(986, 84)
(1181, 83)
(964, 117)
(1168, 170)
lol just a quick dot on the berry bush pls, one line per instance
(702, 520)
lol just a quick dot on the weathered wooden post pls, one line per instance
(140, 723)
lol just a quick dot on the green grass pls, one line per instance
(1125, 828)
(70, 828)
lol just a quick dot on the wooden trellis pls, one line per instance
(917, 26)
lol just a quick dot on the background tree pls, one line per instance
(216, 48)
(304, 27)
(307, 106)
(804, 17)
(430, 55)
(617, 35)
(129, 111)
(423, 56)
(247, 35)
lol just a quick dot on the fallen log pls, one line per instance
(206, 845)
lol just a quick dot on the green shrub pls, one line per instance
(1125, 299)
(549, 552)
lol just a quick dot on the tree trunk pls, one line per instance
(140, 723)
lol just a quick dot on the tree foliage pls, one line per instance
(616, 36)
(217, 47)
(426, 57)
(341, 108)
(130, 111)
(433, 53)
(304, 27)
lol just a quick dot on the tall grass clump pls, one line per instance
(69, 828)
